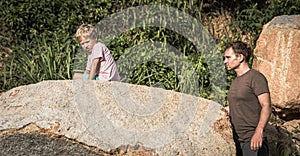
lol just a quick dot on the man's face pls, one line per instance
(231, 59)
(88, 44)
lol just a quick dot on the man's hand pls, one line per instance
(256, 140)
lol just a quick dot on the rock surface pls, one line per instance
(277, 57)
(102, 117)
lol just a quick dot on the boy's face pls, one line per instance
(87, 43)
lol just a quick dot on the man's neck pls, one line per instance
(243, 68)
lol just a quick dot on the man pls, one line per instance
(249, 102)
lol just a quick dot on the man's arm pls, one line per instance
(265, 101)
(93, 68)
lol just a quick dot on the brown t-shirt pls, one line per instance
(243, 102)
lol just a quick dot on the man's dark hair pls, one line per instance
(240, 47)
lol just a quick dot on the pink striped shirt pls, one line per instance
(108, 68)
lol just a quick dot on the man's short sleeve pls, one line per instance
(260, 84)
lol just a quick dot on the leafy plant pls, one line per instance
(251, 18)
(37, 60)
(285, 149)
(41, 36)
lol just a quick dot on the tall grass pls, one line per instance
(44, 58)
(45, 50)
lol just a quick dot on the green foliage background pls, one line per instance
(37, 40)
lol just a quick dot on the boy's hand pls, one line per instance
(85, 76)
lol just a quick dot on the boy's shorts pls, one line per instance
(86, 77)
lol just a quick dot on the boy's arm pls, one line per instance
(86, 72)
(94, 65)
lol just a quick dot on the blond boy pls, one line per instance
(101, 64)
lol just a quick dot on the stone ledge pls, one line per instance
(109, 115)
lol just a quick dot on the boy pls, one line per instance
(100, 65)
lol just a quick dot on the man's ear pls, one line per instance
(241, 58)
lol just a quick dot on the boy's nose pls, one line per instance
(85, 46)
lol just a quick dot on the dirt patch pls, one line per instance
(33, 140)
(222, 126)
(136, 150)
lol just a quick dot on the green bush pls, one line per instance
(39, 59)
(253, 16)
(41, 35)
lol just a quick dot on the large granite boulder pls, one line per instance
(277, 57)
(103, 118)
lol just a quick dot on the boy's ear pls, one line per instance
(80, 38)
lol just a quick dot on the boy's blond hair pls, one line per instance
(86, 31)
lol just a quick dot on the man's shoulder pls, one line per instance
(257, 74)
